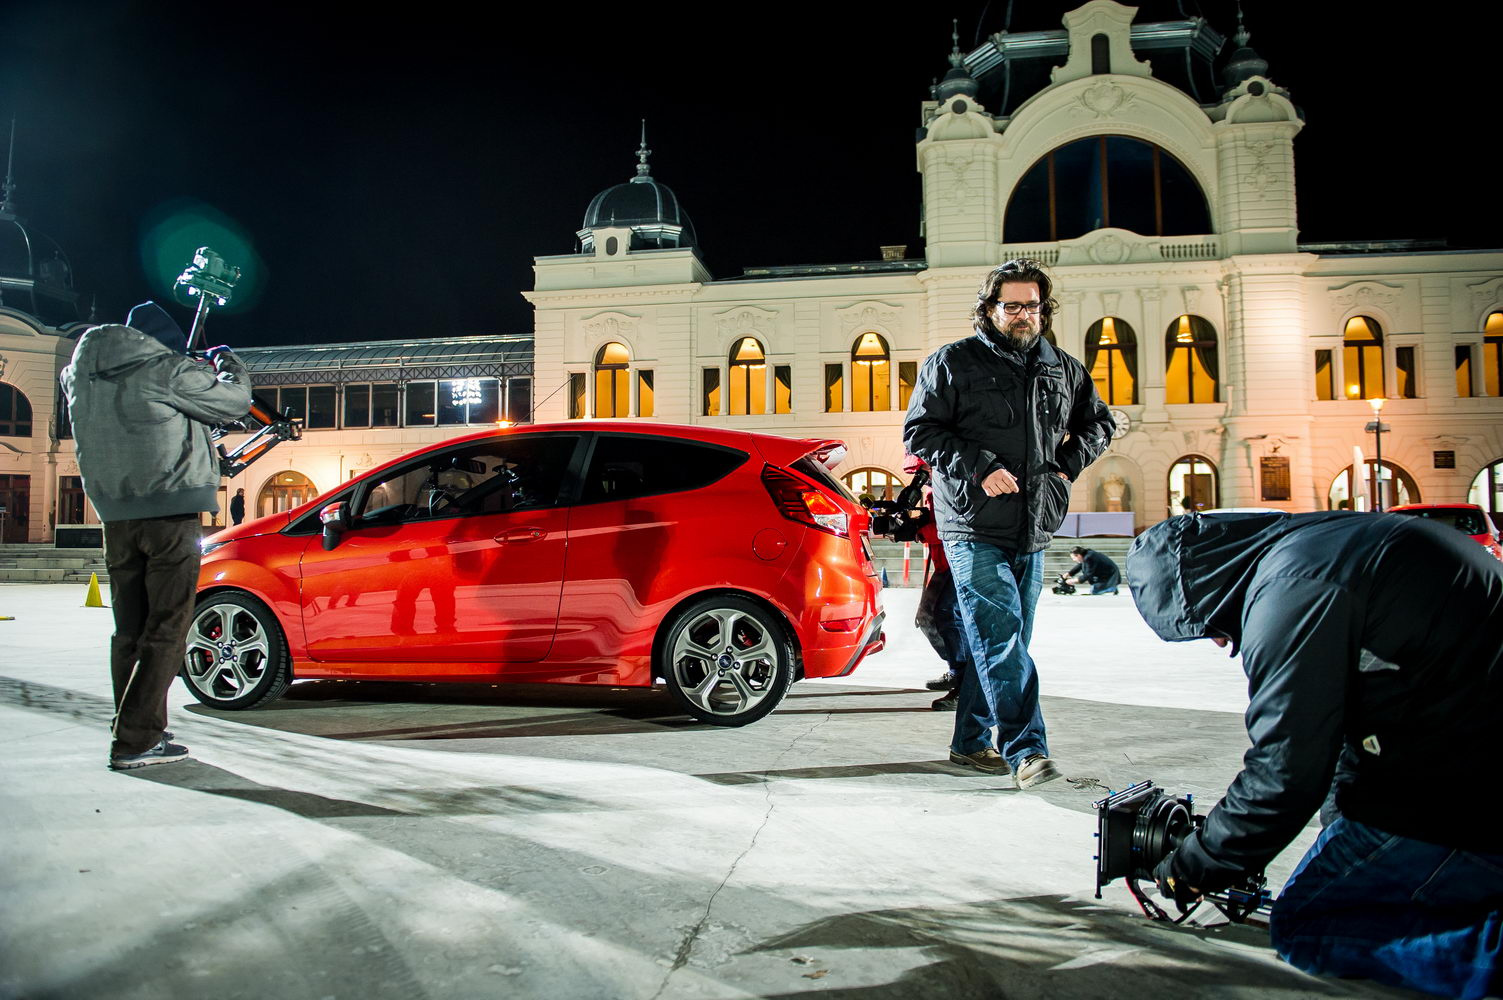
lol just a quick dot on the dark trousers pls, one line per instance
(153, 564)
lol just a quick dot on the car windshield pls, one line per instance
(1461, 518)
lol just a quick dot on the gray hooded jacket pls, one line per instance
(141, 416)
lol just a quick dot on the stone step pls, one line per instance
(34, 576)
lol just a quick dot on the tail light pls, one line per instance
(802, 502)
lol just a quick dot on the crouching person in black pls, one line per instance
(1094, 568)
(1380, 636)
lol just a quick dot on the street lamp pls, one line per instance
(1376, 427)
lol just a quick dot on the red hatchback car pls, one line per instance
(1467, 518)
(726, 564)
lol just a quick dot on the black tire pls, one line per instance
(236, 656)
(727, 660)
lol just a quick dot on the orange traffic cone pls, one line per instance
(92, 598)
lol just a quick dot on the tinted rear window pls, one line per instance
(625, 466)
(809, 467)
(1468, 521)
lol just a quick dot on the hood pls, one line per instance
(1189, 575)
(152, 320)
(108, 351)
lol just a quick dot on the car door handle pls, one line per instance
(520, 535)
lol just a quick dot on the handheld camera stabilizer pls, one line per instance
(211, 281)
(1140, 826)
(900, 519)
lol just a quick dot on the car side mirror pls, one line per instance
(336, 521)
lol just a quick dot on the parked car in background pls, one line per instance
(724, 564)
(1468, 518)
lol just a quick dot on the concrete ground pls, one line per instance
(365, 841)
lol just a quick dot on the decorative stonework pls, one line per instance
(1484, 294)
(1109, 302)
(1110, 249)
(1261, 177)
(611, 326)
(1150, 294)
(1360, 294)
(1192, 300)
(869, 315)
(2, 366)
(746, 321)
(959, 189)
(1103, 99)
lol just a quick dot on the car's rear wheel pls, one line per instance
(237, 653)
(727, 660)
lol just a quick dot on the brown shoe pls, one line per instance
(986, 760)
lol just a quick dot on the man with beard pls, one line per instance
(1006, 421)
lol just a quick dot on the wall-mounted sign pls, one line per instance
(1445, 459)
(1275, 477)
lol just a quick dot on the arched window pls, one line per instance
(879, 484)
(1111, 356)
(1191, 373)
(612, 381)
(1105, 180)
(1487, 490)
(1362, 358)
(871, 373)
(1492, 355)
(1192, 485)
(284, 491)
(15, 412)
(748, 388)
(1392, 483)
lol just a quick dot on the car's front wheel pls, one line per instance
(727, 660)
(237, 653)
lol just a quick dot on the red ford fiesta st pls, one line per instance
(726, 564)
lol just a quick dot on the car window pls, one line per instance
(628, 465)
(1468, 521)
(497, 476)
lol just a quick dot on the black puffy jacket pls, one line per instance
(1379, 632)
(979, 407)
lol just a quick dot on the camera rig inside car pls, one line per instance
(901, 518)
(1140, 826)
(211, 281)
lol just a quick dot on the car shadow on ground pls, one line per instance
(386, 710)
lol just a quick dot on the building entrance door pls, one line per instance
(15, 500)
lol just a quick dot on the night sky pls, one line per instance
(394, 176)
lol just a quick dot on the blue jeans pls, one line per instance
(998, 590)
(1400, 911)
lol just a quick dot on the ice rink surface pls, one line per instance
(368, 841)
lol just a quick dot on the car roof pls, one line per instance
(1435, 506)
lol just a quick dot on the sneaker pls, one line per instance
(943, 682)
(949, 703)
(162, 753)
(1035, 770)
(986, 760)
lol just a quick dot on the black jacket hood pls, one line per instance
(1190, 574)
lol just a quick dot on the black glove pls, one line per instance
(1173, 886)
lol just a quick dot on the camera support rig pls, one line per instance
(1140, 826)
(211, 281)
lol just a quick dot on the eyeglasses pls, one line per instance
(1015, 308)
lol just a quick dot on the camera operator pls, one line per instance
(1094, 568)
(1374, 637)
(142, 411)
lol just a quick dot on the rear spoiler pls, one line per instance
(785, 451)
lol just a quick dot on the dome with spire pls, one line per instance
(958, 81)
(650, 209)
(35, 276)
(1244, 63)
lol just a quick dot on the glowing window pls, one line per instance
(871, 374)
(747, 392)
(1192, 485)
(1192, 375)
(1111, 356)
(1362, 358)
(612, 381)
(1492, 355)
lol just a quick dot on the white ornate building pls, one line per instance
(1150, 166)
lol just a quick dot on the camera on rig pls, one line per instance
(211, 281)
(1139, 827)
(1063, 588)
(901, 518)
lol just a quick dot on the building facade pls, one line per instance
(1148, 165)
